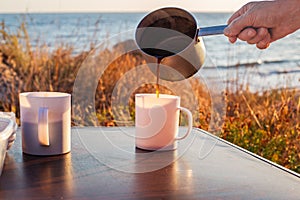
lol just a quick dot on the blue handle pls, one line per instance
(211, 30)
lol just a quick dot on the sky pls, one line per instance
(17, 6)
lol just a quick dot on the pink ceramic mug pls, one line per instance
(157, 121)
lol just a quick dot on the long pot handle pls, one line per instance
(211, 30)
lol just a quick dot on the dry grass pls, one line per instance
(266, 124)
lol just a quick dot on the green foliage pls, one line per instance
(266, 124)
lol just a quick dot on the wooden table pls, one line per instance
(104, 164)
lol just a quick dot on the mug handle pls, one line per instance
(190, 123)
(43, 128)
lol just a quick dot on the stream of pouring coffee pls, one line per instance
(159, 54)
(157, 76)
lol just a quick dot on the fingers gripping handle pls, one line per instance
(190, 123)
(43, 127)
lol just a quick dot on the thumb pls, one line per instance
(237, 25)
(239, 20)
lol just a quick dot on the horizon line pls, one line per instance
(103, 11)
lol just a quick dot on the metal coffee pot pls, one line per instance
(170, 36)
